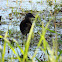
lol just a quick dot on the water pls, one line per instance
(34, 5)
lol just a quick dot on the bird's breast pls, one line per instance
(25, 27)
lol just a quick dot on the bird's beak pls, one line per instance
(33, 17)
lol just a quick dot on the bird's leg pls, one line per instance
(26, 37)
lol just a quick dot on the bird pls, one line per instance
(0, 17)
(25, 25)
(0, 20)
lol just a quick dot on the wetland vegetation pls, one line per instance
(44, 41)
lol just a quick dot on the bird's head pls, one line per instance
(29, 15)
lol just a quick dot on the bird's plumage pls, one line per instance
(25, 25)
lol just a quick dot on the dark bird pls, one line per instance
(25, 25)
(0, 17)
(0, 20)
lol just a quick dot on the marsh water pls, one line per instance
(13, 11)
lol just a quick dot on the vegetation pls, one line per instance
(50, 51)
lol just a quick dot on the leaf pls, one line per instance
(60, 41)
(1, 36)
